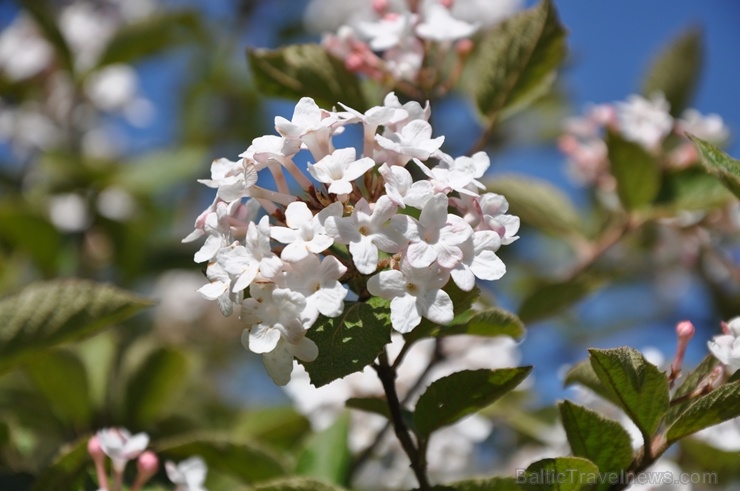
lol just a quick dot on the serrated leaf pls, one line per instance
(67, 469)
(688, 385)
(675, 71)
(560, 474)
(50, 313)
(350, 342)
(150, 36)
(370, 405)
(720, 405)
(62, 378)
(305, 70)
(455, 396)
(482, 484)
(600, 440)
(246, 461)
(637, 385)
(296, 484)
(155, 171)
(719, 164)
(326, 454)
(552, 297)
(516, 59)
(583, 373)
(538, 203)
(155, 385)
(637, 172)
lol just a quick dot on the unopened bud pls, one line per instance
(380, 6)
(447, 3)
(464, 47)
(147, 465)
(685, 330)
(95, 450)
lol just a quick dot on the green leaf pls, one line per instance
(42, 13)
(720, 405)
(156, 171)
(600, 440)
(583, 373)
(637, 385)
(50, 313)
(688, 385)
(560, 474)
(67, 470)
(350, 342)
(719, 164)
(538, 203)
(699, 455)
(279, 427)
(452, 397)
(483, 484)
(246, 461)
(552, 297)
(734, 377)
(155, 385)
(62, 378)
(517, 60)
(370, 405)
(305, 70)
(33, 234)
(151, 35)
(675, 71)
(491, 322)
(636, 171)
(692, 189)
(296, 484)
(326, 455)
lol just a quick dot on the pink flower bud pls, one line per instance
(147, 465)
(685, 330)
(464, 46)
(380, 6)
(94, 449)
(447, 3)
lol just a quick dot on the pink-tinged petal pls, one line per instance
(436, 306)
(420, 254)
(304, 350)
(294, 252)
(340, 187)
(387, 284)
(404, 313)
(263, 339)
(284, 235)
(279, 364)
(448, 256)
(434, 213)
(364, 255)
(320, 243)
(463, 277)
(455, 231)
(213, 290)
(297, 214)
(488, 266)
(486, 240)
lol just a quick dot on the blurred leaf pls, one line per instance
(600, 440)
(692, 189)
(370, 405)
(637, 385)
(32, 234)
(636, 171)
(150, 36)
(698, 455)
(735, 377)
(46, 314)
(552, 297)
(490, 322)
(688, 385)
(277, 426)
(42, 13)
(481, 484)
(675, 71)
(326, 454)
(719, 164)
(462, 303)
(156, 171)
(155, 385)
(455, 396)
(66, 471)
(517, 60)
(583, 373)
(296, 484)
(720, 405)
(305, 70)
(62, 378)
(246, 461)
(350, 342)
(538, 203)
(561, 474)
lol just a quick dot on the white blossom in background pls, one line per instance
(187, 475)
(121, 446)
(645, 121)
(726, 348)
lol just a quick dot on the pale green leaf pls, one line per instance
(326, 454)
(719, 164)
(159, 170)
(636, 171)
(551, 298)
(296, 484)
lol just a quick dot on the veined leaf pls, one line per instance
(688, 385)
(583, 373)
(719, 164)
(560, 474)
(636, 171)
(718, 406)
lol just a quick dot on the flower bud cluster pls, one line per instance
(362, 223)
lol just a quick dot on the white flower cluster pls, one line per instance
(362, 206)
(646, 122)
(726, 348)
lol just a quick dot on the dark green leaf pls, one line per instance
(462, 303)
(452, 397)
(517, 60)
(350, 342)
(692, 189)
(50, 313)
(62, 378)
(32, 234)
(305, 70)
(688, 385)
(720, 405)
(279, 427)
(66, 471)
(326, 455)
(560, 474)
(296, 484)
(675, 72)
(482, 484)
(600, 440)
(735, 377)
(637, 385)
(155, 385)
(550, 298)
(152, 35)
(583, 373)
(719, 164)
(246, 461)
(43, 14)
(538, 204)
(636, 171)
(370, 404)
(156, 171)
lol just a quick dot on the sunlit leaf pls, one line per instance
(689, 384)
(719, 164)
(720, 405)
(326, 454)
(156, 171)
(560, 474)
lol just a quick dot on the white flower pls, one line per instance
(121, 446)
(23, 51)
(318, 281)
(389, 31)
(479, 260)
(413, 292)
(411, 111)
(710, 127)
(305, 232)
(310, 124)
(459, 175)
(187, 475)
(726, 348)
(439, 25)
(255, 257)
(402, 190)
(645, 121)
(414, 141)
(366, 231)
(232, 179)
(339, 169)
(219, 288)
